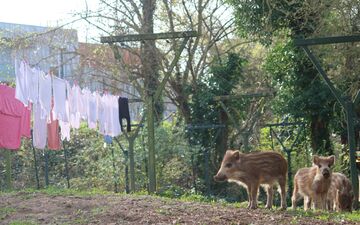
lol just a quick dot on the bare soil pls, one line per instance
(40, 208)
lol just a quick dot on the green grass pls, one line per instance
(54, 191)
(22, 222)
(326, 216)
(5, 211)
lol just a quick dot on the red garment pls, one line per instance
(14, 119)
(53, 138)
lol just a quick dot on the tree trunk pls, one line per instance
(222, 140)
(150, 69)
(320, 137)
(132, 164)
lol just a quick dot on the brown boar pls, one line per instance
(313, 182)
(252, 169)
(340, 195)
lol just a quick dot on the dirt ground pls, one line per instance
(40, 208)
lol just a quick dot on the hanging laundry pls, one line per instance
(22, 86)
(59, 91)
(65, 130)
(14, 119)
(84, 103)
(115, 122)
(53, 139)
(124, 113)
(45, 94)
(93, 110)
(102, 108)
(65, 126)
(33, 82)
(74, 106)
(39, 127)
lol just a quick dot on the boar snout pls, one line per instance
(326, 173)
(220, 177)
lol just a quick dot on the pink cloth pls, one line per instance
(53, 139)
(14, 119)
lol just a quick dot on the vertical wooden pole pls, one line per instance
(151, 143)
(127, 188)
(8, 169)
(116, 190)
(290, 181)
(46, 154)
(352, 150)
(132, 165)
(207, 171)
(36, 168)
(66, 166)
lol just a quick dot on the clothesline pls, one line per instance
(55, 103)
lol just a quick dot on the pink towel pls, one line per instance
(14, 119)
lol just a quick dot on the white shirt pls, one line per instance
(114, 116)
(39, 127)
(22, 86)
(45, 94)
(33, 78)
(101, 116)
(65, 126)
(74, 106)
(59, 90)
(84, 103)
(92, 110)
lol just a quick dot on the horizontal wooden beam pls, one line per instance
(326, 40)
(246, 95)
(143, 37)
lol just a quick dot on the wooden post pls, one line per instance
(149, 100)
(132, 165)
(151, 143)
(36, 168)
(116, 189)
(66, 166)
(46, 167)
(352, 150)
(8, 169)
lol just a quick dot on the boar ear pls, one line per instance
(236, 155)
(331, 160)
(315, 159)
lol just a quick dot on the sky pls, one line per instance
(44, 12)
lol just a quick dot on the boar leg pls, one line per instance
(319, 202)
(248, 189)
(294, 195)
(254, 191)
(269, 192)
(323, 201)
(307, 203)
(282, 184)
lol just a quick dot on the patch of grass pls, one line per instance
(22, 222)
(196, 198)
(55, 191)
(6, 211)
(326, 216)
(97, 211)
(60, 191)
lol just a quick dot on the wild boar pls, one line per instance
(254, 169)
(340, 195)
(313, 183)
